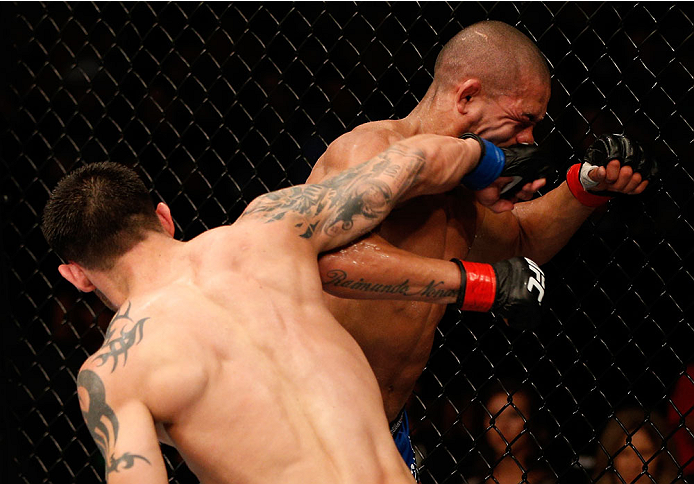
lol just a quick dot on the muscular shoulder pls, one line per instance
(90, 381)
(123, 343)
(359, 145)
(133, 347)
(146, 349)
(268, 231)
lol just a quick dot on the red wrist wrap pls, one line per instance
(480, 287)
(584, 197)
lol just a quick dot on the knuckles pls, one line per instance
(618, 147)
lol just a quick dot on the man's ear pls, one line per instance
(164, 214)
(76, 276)
(466, 91)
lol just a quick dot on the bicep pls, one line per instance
(537, 229)
(497, 236)
(123, 430)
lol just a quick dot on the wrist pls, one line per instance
(584, 197)
(489, 167)
(477, 290)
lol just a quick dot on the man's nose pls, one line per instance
(525, 137)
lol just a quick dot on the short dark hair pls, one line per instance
(97, 213)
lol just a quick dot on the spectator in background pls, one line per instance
(509, 448)
(681, 417)
(633, 449)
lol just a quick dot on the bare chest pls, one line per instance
(441, 226)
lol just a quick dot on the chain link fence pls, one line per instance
(216, 103)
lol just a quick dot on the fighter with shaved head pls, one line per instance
(493, 81)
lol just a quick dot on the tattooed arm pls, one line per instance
(370, 273)
(341, 208)
(119, 422)
(122, 429)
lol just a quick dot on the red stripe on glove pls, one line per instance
(480, 287)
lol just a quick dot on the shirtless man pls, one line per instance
(223, 346)
(492, 80)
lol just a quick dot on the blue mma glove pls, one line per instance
(524, 163)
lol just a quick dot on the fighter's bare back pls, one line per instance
(230, 349)
(223, 346)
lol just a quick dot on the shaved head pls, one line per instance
(497, 54)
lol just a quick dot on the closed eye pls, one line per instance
(530, 119)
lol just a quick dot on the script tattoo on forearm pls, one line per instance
(102, 422)
(335, 203)
(117, 345)
(432, 290)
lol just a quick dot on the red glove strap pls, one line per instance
(584, 197)
(480, 287)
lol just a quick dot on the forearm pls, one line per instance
(536, 229)
(548, 222)
(512, 288)
(343, 207)
(613, 164)
(374, 269)
(446, 161)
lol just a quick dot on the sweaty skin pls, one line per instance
(491, 80)
(397, 335)
(223, 346)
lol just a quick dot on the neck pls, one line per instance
(144, 267)
(435, 114)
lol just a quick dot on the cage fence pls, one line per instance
(216, 103)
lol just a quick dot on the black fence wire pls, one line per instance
(216, 103)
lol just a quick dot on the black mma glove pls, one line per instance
(520, 287)
(512, 288)
(606, 148)
(524, 163)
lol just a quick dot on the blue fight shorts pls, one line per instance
(400, 430)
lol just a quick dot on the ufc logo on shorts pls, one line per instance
(538, 281)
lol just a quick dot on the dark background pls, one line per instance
(216, 103)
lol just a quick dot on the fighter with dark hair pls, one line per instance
(223, 346)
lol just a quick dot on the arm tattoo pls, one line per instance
(127, 460)
(102, 422)
(432, 290)
(116, 345)
(335, 203)
(339, 278)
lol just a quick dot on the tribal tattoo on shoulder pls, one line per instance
(102, 422)
(117, 345)
(334, 203)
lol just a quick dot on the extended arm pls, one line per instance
(345, 206)
(537, 229)
(123, 430)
